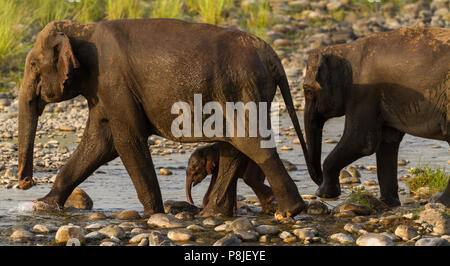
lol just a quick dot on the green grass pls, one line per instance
(167, 9)
(366, 199)
(435, 179)
(13, 31)
(119, 9)
(88, 11)
(210, 10)
(45, 11)
(258, 17)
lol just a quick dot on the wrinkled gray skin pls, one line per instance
(386, 85)
(131, 73)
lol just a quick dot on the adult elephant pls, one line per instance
(132, 72)
(386, 84)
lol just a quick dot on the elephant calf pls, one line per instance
(204, 161)
(386, 84)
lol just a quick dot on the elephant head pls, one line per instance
(202, 163)
(48, 77)
(328, 77)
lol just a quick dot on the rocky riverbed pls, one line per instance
(113, 214)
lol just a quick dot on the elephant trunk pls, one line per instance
(189, 184)
(28, 119)
(313, 129)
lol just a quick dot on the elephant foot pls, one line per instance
(281, 214)
(46, 204)
(211, 213)
(444, 199)
(26, 183)
(328, 191)
(391, 202)
(267, 206)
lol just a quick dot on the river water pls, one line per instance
(111, 188)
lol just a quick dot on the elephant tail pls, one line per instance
(286, 93)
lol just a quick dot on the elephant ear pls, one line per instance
(66, 61)
(334, 74)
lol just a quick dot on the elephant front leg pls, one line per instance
(95, 149)
(387, 157)
(208, 192)
(223, 195)
(354, 144)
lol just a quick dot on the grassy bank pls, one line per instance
(426, 181)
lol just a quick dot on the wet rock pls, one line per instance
(94, 236)
(285, 234)
(158, 239)
(144, 242)
(317, 207)
(109, 244)
(305, 233)
(405, 232)
(94, 226)
(434, 215)
(174, 207)
(137, 231)
(195, 228)
(247, 236)
(373, 239)
(113, 230)
(40, 229)
(342, 238)
(432, 241)
(184, 216)
(21, 235)
(355, 208)
(181, 234)
(127, 215)
(346, 178)
(222, 227)
(79, 200)
(228, 240)
(67, 232)
(138, 238)
(210, 221)
(267, 229)
(391, 236)
(354, 229)
(128, 226)
(241, 224)
(165, 221)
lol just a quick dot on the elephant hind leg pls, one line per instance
(387, 157)
(254, 178)
(289, 201)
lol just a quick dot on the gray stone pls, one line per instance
(109, 244)
(228, 240)
(127, 215)
(79, 199)
(247, 236)
(93, 236)
(181, 234)
(165, 221)
(138, 238)
(405, 232)
(158, 239)
(210, 221)
(433, 215)
(354, 229)
(40, 229)
(113, 230)
(97, 216)
(373, 239)
(305, 233)
(21, 236)
(143, 243)
(316, 207)
(268, 229)
(241, 224)
(432, 241)
(343, 238)
(67, 232)
(174, 207)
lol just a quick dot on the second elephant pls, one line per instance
(386, 84)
